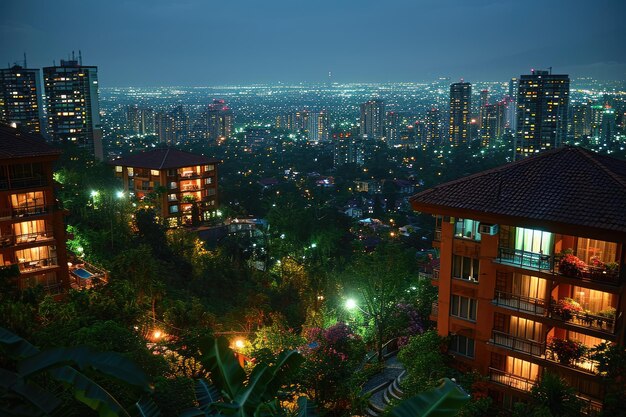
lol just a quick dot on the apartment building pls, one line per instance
(532, 269)
(183, 184)
(32, 232)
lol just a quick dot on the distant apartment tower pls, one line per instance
(318, 126)
(542, 103)
(433, 127)
(347, 149)
(373, 120)
(493, 122)
(511, 119)
(181, 123)
(581, 121)
(393, 125)
(32, 233)
(20, 98)
(219, 121)
(165, 128)
(460, 113)
(140, 121)
(73, 108)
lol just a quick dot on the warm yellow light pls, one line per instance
(157, 334)
(240, 343)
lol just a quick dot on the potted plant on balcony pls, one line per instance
(567, 308)
(567, 350)
(572, 265)
(611, 269)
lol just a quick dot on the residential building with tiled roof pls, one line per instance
(532, 262)
(185, 184)
(32, 231)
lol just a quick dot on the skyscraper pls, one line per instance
(392, 128)
(140, 121)
(512, 115)
(372, 120)
(219, 121)
(542, 102)
(73, 109)
(433, 127)
(581, 121)
(460, 113)
(20, 98)
(317, 126)
(165, 128)
(181, 123)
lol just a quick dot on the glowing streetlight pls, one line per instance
(94, 193)
(351, 304)
(157, 334)
(119, 194)
(313, 245)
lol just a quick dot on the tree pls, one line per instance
(612, 366)
(381, 279)
(550, 397)
(21, 394)
(424, 361)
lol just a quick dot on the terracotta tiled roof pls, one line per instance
(164, 158)
(16, 144)
(569, 185)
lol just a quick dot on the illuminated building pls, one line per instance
(433, 127)
(347, 149)
(73, 110)
(20, 98)
(392, 128)
(512, 97)
(542, 103)
(219, 121)
(581, 121)
(372, 120)
(32, 233)
(460, 113)
(190, 183)
(532, 255)
(140, 121)
(165, 128)
(493, 122)
(317, 126)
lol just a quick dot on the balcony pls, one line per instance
(16, 183)
(585, 363)
(513, 381)
(37, 265)
(525, 259)
(19, 212)
(556, 265)
(437, 235)
(583, 319)
(520, 303)
(530, 347)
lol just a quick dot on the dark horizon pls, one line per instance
(137, 43)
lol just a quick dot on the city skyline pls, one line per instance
(136, 43)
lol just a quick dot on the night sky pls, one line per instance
(209, 42)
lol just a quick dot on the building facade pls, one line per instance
(373, 120)
(20, 98)
(73, 110)
(32, 232)
(532, 263)
(460, 113)
(219, 121)
(542, 111)
(184, 184)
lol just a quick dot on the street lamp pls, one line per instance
(120, 194)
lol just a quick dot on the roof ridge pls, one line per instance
(167, 152)
(495, 170)
(591, 156)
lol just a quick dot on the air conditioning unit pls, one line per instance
(488, 229)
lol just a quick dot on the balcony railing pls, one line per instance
(514, 381)
(585, 363)
(16, 183)
(435, 273)
(518, 344)
(34, 265)
(520, 303)
(438, 235)
(550, 264)
(434, 311)
(26, 211)
(587, 320)
(590, 407)
(526, 259)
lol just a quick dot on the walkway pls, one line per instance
(384, 386)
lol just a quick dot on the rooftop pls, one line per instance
(164, 158)
(17, 144)
(561, 187)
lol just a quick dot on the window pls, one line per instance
(173, 185)
(131, 172)
(465, 268)
(467, 228)
(28, 203)
(208, 180)
(118, 168)
(591, 248)
(209, 167)
(171, 197)
(463, 307)
(462, 345)
(154, 172)
(174, 209)
(536, 241)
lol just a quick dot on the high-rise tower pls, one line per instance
(460, 113)
(373, 120)
(20, 98)
(542, 102)
(73, 109)
(219, 121)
